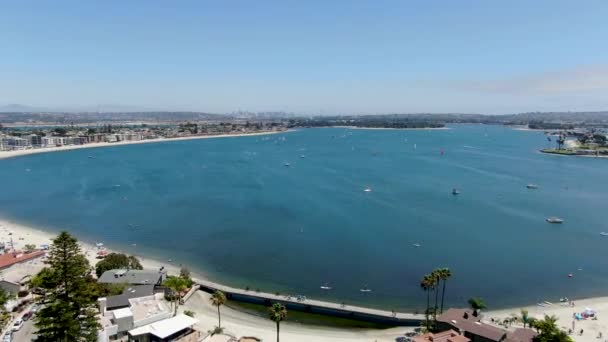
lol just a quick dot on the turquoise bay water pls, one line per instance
(230, 208)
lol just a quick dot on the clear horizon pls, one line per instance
(347, 57)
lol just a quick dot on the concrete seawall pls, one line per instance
(315, 306)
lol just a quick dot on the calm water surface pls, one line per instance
(230, 208)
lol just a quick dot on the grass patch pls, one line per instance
(306, 317)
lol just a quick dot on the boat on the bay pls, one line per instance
(455, 191)
(365, 289)
(554, 219)
(604, 234)
(368, 189)
(286, 164)
(416, 245)
(325, 287)
(532, 186)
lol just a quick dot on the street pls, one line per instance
(25, 334)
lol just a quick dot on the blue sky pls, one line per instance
(341, 56)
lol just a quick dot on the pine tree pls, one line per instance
(69, 314)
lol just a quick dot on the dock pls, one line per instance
(315, 306)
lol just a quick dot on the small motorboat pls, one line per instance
(532, 186)
(302, 156)
(365, 289)
(286, 164)
(326, 287)
(368, 189)
(416, 245)
(604, 234)
(99, 244)
(554, 220)
(455, 192)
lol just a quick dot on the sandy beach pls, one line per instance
(22, 235)
(237, 323)
(18, 153)
(565, 313)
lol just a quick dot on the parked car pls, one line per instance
(27, 315)
(35, 308)
(8, 337)
(18, 324)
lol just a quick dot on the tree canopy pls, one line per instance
(548, 331)
(69, 313)
(117, 261)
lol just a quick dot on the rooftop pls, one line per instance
(520, 335)
(165, 328)
(146, 307)
(135, 277)
(122, 313)
(463, 320)
(10, 259)
(444, 336)
(122, 300)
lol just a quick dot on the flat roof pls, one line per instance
(136, 277)
(122, 313)
(122, 300)
(165, 328)
(149, 306)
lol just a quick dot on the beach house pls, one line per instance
(176, 329)
(132, 277)
(126, 313)
(470, 326)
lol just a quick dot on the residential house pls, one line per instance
(469, 325)
(132, 277)
(444, 336)
(140, 311)
(176, 329)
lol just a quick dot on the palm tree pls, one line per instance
(218, 298)
(548, 330)
(445, 274)
(476, 304)
(436, 275)
(560, 141)
(177, 285)
(277, 313)
(524, 317)
(425, 284)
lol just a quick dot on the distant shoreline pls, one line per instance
(574, 154)
(389, 128)
(19, 153)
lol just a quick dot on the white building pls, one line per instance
(176, 329)
(141, 311)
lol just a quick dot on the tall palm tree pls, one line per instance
(428, 284)
(218, 298)
(177, 285)
(436, 278)
(445, 274)
(476, 304)
(277, 313)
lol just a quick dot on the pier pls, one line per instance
(315, 306)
